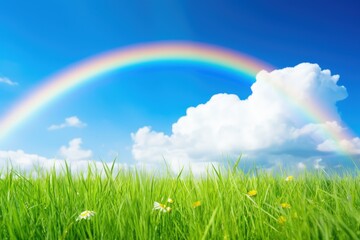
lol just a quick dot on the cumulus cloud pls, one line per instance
(287, 119)
(318, 165)
(74, 152)
(351, 146)
(301, 166)
(69, 122)
(7, 81)
(77, 159)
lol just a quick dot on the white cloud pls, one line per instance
(74, 152)
(269, 126)
(69, 122)
(301, 166)
(7, 81)
(19, 159)
(28, 163)
(318, 165)
(351, 146)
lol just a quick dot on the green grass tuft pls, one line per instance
(46, 206)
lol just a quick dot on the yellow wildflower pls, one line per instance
(289, 178)
(85, 215)
(252, 193)
(285, 205)
(196, 204)
(281, 220)
(170, 200)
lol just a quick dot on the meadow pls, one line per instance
(134, 204)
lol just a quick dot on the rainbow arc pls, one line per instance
(90, 69)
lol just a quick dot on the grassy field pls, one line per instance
(223, 205)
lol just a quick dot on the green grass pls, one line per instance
(46, 206)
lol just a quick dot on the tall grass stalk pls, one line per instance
(46, 205)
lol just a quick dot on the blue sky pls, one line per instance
(39, 38)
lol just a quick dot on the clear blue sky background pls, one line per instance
(39, 38)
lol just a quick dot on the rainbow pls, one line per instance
(188, 52)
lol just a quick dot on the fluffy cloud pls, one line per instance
(69, 122)
(74, 152)
(351, 146)
(318, 165)
(77, 159)
(277, 124)
(301, 166)
(7, 81)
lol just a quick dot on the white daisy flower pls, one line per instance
(159, 206)
(85, 215)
